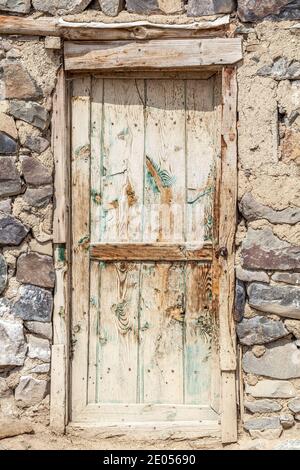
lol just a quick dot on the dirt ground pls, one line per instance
(43, 438)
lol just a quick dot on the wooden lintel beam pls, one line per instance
(150, 252)
(97, 31)
(153, 54)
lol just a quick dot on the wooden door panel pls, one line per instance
(144, 165)
(118, 333)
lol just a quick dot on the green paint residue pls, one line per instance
(96, 196)
(151, 182)
(157, 176)
(61, 254)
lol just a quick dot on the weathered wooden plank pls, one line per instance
(229, 408)
(150, 252)
(200, 159)
(61, 318)
(118, 333)
(80, 107)
(143, 412)
(161, 333)
(96, 158)
(153, 54)
(106, 31)
(123, 157)
(58, 396)
(199, 334)
(165, 161)
(95, 218)
(60, 147)
(94, 312)
(227, 221)
(227, 226)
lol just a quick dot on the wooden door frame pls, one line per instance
(223, 264)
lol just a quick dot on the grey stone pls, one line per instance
(36, 269)
(15, 6)
(251, 276)
(253, 10)
(260, 330)
(263, 406)
(39, 328)
(281, 300)
(5, 307)
(293, 326)
(269, 434)
(291, 11)
(30, 112)
(240, 300)
(18, 84)
(287, 420)
(34, 304)
(10, 181)
(8, 146)
(3, 273)
(262, 423)
(280, 361)
(41, 369)
(294, 405)
(38, 348)
(12, 231)
(281, 69)
(35, 173)
(261, 249)
(38, 197)
(292, 444)
(5, 206)
(251, 209)
(209, 7)
(145, 7)
(8, 126)
(30, 391)
(271, 389)
(60, 7)
(287, 278)
(36, 143)
(12, 343)
(111, 7)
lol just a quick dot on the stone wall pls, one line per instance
(268, 235)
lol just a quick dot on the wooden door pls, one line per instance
(145, 161)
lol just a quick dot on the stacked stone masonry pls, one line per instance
(268, 232)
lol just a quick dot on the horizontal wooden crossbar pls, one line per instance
(154, 54)
(150, 252)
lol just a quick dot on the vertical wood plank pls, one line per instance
(165, 160)
(80, 237)
(200, 156)
(58, 389)
(229, 408)
(216, 372)
(96, 149)
(95, 220)
(161, 332)
(93, 330)
(123, 156)
(60, 148)
(198, 334)
(118, 333)
(227, 226)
